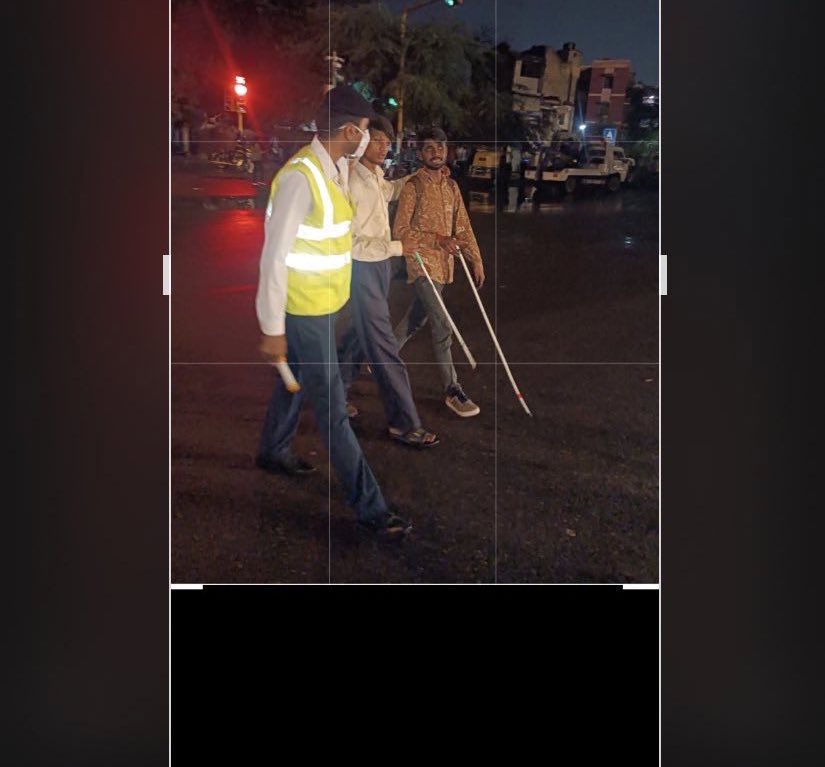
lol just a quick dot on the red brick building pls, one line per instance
(603, 88)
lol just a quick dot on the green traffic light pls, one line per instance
(451, 3)
(392, 102)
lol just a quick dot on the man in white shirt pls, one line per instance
(304, 281)
(371, 337)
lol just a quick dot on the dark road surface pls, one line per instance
(568, 496)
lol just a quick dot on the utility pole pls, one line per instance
(400, 122)
(399, 132)
(335, 76)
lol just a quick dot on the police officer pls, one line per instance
(304, 281)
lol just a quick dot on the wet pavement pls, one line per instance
(213, 189)
(568, 496)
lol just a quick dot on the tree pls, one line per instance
(279, 45)
(642, 115)
(488, 105)
(436, 81)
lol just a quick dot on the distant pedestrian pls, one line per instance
(522, 178)
(461, 160)
(277, 151)
(503, 182)
(515, 160)
(256, 157)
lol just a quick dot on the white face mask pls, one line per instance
(362, 145)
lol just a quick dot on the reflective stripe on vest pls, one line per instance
(312, 262)
(328, 230)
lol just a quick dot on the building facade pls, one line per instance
(545, 84)
(603, 88)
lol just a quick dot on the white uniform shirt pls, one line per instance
(370, 193)
(290, 206)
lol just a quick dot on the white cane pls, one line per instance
(493, 335)
(449, 319)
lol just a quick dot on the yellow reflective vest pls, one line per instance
(319, 264)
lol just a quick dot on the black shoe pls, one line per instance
(390, 525)
(292, 465)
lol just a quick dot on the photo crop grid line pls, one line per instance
(495, 303)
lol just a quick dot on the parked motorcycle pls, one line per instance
(237, 157)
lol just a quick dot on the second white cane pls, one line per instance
(447, 314)
(519, 395)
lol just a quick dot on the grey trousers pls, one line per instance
(425, 306)
(370, 340)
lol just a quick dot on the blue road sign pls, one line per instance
(609, 135)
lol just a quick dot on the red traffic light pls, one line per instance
(240, 86)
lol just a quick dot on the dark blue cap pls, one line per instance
(345, 100)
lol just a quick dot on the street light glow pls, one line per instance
(582, 128)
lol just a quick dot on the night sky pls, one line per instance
(600, 28)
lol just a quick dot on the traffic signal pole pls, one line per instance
(402, 59)
(400, 126)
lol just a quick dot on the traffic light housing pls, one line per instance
(239, 91)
